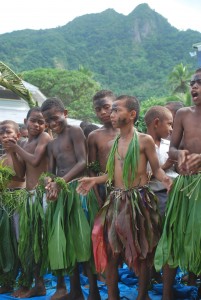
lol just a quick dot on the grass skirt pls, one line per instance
(180, 243)
(10, 201)
(129, 225)
(30, 247)
(69, 222)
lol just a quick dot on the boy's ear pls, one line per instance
(25, 121)
(18, 135)
(133, 114)
(65, 112)
(156, 121)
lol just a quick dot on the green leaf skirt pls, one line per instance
(180, 243)
(10, 201)
(128, 225)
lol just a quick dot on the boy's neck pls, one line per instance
(127, 132)
(152, 133)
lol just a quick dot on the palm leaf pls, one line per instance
(11, 81)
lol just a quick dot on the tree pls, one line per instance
(179, 79)
(75, 88)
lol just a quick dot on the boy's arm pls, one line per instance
(86, 183)
(35, 158)
(92, 157)
(51, 159)
(175, 153)
(157, 171)
(18, 164)
(79, 144)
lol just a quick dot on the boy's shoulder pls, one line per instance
(144, 136)
(44, 136)
(95, 134)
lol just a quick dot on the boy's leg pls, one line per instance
(168, 281)
(112, 278)
(75, 287)
(61, 290)
(39, 288)
(192, 278)
(93, 287)
(144, 280)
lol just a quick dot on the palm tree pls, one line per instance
(179, 79)
(11, 81)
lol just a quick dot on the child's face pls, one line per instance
(55, 120)
(35, 123)
(120, 115)
(195, 88)
(103, 109)
(164, 128)
(8, 131)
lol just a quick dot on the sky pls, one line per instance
(44, 14)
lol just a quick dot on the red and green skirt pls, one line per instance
(129, 225)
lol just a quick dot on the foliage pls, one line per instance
(11, 81)
(179, 79)
(74, 88)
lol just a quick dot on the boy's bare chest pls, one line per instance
(62, 146)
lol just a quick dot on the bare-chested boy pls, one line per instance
(9, 129)
(181, 238)
(100, 141)
(32, 163)
(67, 160)
(127, 226)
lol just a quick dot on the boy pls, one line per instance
(100, 140)
(127, 226)
(159, 122)
(9, 129)
(67, 160)
(182, 226)
(33, 162)
(174, 106)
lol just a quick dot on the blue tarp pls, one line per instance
(128, 285)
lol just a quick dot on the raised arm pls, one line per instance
(18, 163)
(33, 159)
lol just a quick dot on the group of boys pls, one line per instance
(119, 219)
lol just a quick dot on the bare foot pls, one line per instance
(19, 292)
(94, 296)
(73, 296)
(5, 289)
(35, 291)
(59, 294)
(143, 298)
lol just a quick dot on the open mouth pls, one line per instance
(194, 95)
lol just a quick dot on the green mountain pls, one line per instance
(131, 54)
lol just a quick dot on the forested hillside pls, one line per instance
(128, 54)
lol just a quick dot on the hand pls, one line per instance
(193, 163)
(167, 182)
(168, 164)
(85, 185)
(182, 159)
(9, 144)
(52, 191)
